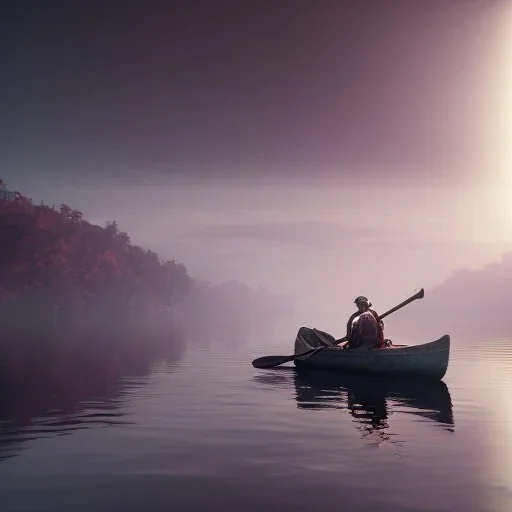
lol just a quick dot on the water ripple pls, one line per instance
(283, 439)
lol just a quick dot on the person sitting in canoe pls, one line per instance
(364, 328)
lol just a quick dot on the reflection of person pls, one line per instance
(367, 403)
(370, 413)
(364, 328)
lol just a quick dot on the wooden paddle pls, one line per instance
(272, 361)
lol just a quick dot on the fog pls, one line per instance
(472, 305)
(319, 243)
(375, 164)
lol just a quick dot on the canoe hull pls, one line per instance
(429, 360)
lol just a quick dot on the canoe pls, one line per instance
(429, 360)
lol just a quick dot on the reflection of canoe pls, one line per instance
(429, 360)
(368, 397)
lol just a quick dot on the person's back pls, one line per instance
(364, 329)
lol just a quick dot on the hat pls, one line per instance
(361, 298)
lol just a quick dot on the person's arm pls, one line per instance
(349, 325)
(376, 315)
(343, 341)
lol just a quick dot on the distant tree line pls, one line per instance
(59, 272)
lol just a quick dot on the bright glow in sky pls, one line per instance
(507, 91)
(496, 175)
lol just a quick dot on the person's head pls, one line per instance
(362, 303)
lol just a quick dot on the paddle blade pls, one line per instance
(270, 361)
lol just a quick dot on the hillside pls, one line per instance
(60, 273)
(470, 303)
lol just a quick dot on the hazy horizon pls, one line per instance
(320, 245)
(323, 152)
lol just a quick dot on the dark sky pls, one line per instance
(233, 87)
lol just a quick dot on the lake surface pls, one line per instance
(205, 429)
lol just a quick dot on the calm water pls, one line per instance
(206, 429)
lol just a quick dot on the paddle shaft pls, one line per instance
(418, 295)
(272, 361)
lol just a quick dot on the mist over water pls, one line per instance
(319, 242)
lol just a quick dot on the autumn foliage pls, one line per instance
(51, 260)
(59, 272)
